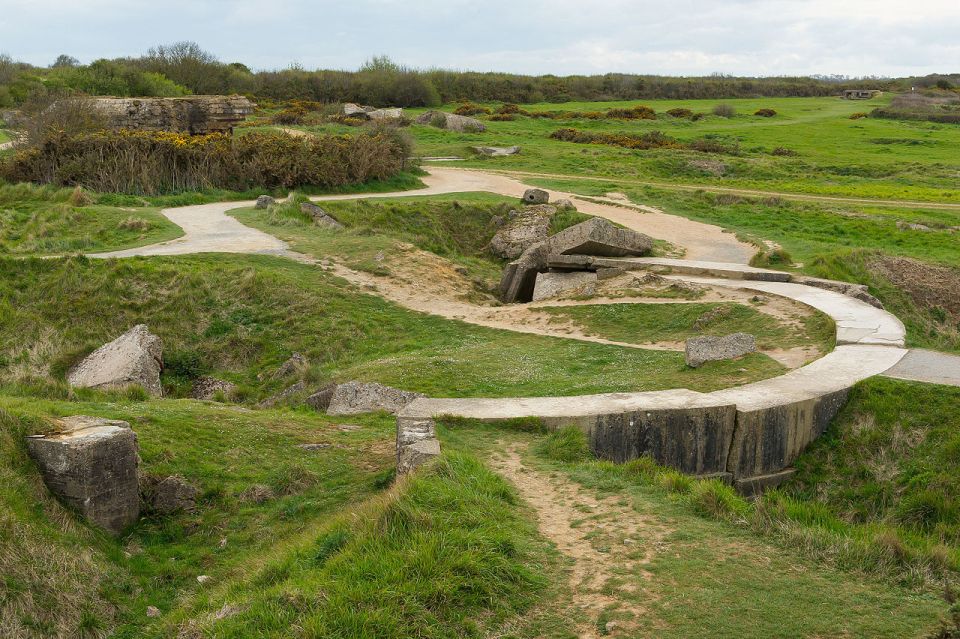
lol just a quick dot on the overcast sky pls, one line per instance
(669, 37)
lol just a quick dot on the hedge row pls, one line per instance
(153, 163)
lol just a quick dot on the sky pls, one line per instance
(667, 37)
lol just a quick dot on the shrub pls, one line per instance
(151, 163)
(650, 140)
(79, 197)
(680, 113)
(784, 151)
(471, 109)
(502, 117)
(640, 112)
(858, 115)
(705, 145)
(724, 110)
(507, 109)
(771, 257)
(765, 113)
(291, 115)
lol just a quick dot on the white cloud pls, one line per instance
(749, 37)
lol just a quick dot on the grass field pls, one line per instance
(829, 152)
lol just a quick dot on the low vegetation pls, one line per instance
(151, 163)
(44, 220)
(639, 323)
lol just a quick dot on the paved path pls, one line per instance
(928, 366)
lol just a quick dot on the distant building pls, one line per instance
(860, 94)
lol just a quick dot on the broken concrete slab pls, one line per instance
(596, 236)
(353, 398)
(452, 122)
(320, 217)
(751, 486)
(417, 444)
(554, 284)
(496, 151)
(522, 229)
(535, 196)
(208, 388)
(714, 348)
(133, 359)
(320, 401)
(90, 464)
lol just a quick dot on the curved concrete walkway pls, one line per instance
(920, 365)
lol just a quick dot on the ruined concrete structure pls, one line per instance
(195, 114)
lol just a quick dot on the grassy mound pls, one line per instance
(445, 554)
(892, 457)
(43, 220)
(240, 317)
(62, 579)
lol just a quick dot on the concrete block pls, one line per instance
(90, 464)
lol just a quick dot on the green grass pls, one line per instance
(834, 154)
(59, 575)
(803, 229)
(723, 566)
(240, 317)
(45, 220)
(446, 554)
(892, 456)
(644, 323)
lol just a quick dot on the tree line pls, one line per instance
(184, 68)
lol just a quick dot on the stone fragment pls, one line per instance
(521, 230)
(320, 400)
(133, 359)
(90, 464)
(417, 443)
(710, 348)
(452, 122)
(169, 495)
(320, 217)
(610, 272)
(153, 611)
(564, 204)
(285, 394)
(352, 110)
(202, 579)
(497, 151)
(394, 113)
(296, 363)
(207, 388)
(353, 398)
(264, 201)
(574, 283)
(535, 196)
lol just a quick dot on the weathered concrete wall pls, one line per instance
(767, 440)
(196, 115)
(692, 440)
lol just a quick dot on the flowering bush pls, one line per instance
(650, 140)
(468, 108)
(765, 113)
(153, 162)
(680, 113)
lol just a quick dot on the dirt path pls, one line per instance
(800, 197)
(606, 541)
